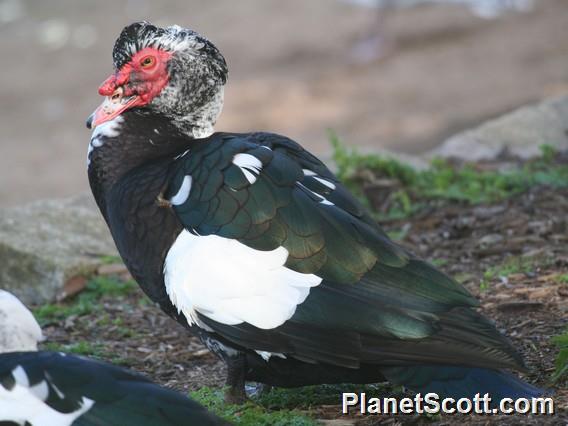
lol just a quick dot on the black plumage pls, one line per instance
(68, 389)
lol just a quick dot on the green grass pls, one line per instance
(249, 414)
(561, 363)
(443, 181)
(54, 312)
(108, 285)
(282, 406)
(109, 259)
(81, 347)
(438, 263)
(86, 302)
(309, 396)
(513, 265)
(398, 234)
(90, 349)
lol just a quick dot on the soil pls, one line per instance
(293, 70)
(465, 241)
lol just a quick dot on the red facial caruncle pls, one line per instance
(134, 85)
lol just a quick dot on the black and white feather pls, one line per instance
(55, 389)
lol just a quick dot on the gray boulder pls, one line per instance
(521, 132)
(49, 248)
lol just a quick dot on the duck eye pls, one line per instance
(147, 62)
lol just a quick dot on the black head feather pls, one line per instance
(139, 35)
(132, 39)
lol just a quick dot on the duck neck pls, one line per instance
(131, 140)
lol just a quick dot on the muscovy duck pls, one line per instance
(55, 389)
(252, 242)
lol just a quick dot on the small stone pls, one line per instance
(490, 240)
(484, 212)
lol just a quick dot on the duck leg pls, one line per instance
(236, 362)
(236, 369)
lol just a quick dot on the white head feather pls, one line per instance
(19, 330)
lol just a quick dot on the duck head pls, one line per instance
(173, 72)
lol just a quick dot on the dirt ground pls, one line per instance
(464, 241)
(292, 70)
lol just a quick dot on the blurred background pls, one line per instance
(399, 75)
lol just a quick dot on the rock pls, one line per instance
(49, 248)
(487, 212)
(490, 239)
(520, 132)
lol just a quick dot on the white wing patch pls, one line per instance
(232, 283)
(20, 376)
(322, 199)
(308, 172)
(24, 404)
(183, 193)
(249, 165)
(183, 154)
(324, 182)
(266, 355)
(41, 390)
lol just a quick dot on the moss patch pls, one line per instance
(561, 363)
(249, 414)
(513, 265)
(411, 190)
(85, 303)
